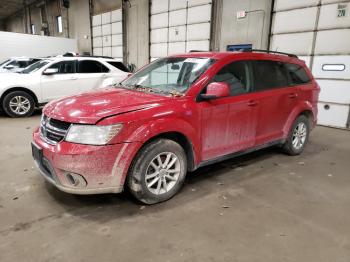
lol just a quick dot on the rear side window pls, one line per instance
(91, 66)
(297, 74)
(236, 75)
(65, 67)
(269, 75)
(118, 65)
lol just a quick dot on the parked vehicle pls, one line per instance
(175, 115)
(17, 64)
(54, 78)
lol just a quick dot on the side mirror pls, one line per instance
(50, 71)
(10, 67)
(216, 90)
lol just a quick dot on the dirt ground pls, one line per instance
(264, 206)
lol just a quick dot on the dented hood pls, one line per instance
(89, 108)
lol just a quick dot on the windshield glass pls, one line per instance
(1, 64)
(34, 67)
(169, 75)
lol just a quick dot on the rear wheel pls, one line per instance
(158, 171)
(18, 104)
(298, 136)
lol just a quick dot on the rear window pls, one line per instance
(297, 74)
(269, 74)
(92, 66)
(118, 65)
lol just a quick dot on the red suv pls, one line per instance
(175, 115)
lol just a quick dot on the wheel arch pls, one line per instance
(13, 89)
(182, 140)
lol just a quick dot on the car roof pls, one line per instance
(67, 58)
(238, 54)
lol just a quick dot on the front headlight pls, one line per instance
(91, 134)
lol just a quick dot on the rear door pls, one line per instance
(61, 84)
(91, 74)
(229, 123)
(276, 98)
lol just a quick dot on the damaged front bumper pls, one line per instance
(83, 169)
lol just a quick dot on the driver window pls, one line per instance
(236, 75)
(65, 67)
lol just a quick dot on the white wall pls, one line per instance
(14, 44)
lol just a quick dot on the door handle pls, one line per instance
(73, 78)
(292, 95)
(252, 103)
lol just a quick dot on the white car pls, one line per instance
(17, 64)
(54, 78)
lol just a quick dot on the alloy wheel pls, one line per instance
(20, 105)
(163, 173)
(299, 136)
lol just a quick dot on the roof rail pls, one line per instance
(96, 56)
(269, 52)
(195, 51)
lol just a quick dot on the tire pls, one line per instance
(298, 136)
(25, 104)
(146, 188)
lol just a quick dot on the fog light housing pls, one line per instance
(75, 180)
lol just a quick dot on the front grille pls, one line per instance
(53, 130)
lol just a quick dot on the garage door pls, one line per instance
(318, 31)
(179, 26)
(107, 34)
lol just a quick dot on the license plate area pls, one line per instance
(37, 153)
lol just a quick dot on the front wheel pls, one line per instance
(298, 136)
(18, 104)
(158, 171)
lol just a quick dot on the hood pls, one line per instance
(89, 108)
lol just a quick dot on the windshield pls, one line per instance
(34, 67)
(169, 75)
(6, 61)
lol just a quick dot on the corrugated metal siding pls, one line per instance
(313, 30)
(178, 26)
(107, 34)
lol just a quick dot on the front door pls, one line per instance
(229, 123)
(55, 86)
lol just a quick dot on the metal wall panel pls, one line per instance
(297, 43)
(320, 71)
(116, 16)
(281, 5)
(97, 20)
(289, 21)
(335, 91)
(177, 17)
(325, 46)
(335, 42)
(107, 34)
(177, 34)
(159, 20)
(327, 18)
(198, 32)
(179, 26)
(106, 18)
(334, 115)
(177, 4)
(159, 6)
(197, 45)
(159, 35)
(199, 14)
(177, 48)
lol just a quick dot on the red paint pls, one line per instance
(213, 127)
